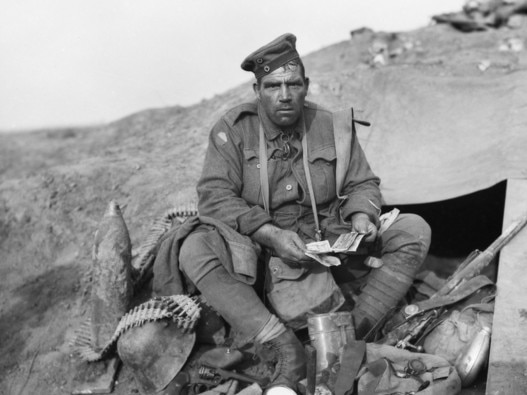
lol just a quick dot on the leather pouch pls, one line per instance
(294, 293)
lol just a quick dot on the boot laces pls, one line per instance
(282, 360)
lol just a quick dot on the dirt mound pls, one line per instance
(55, 185)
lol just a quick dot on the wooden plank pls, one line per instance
(507, 372)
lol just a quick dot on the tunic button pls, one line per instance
(258, 165)
(289, 187)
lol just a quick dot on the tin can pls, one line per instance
(329, 333)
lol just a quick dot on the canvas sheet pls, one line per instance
(436, 137)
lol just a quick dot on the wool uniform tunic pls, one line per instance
(229, 188)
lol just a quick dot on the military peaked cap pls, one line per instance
(271, 56)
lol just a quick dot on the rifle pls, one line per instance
(473, 267)
(414, 324)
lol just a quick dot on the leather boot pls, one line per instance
(291, 361)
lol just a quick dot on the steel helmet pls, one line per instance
(155, 351)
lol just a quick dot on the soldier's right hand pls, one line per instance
(286, 244)
(291, 249)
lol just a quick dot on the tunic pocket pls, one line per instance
(282, 271)
(251, 188)
(322, 162)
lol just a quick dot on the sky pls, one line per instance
(82, 62)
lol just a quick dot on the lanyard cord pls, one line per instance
(264, 176)
(318, 232)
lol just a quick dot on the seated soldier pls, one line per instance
(268, 187)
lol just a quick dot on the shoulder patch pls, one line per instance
(221, 138)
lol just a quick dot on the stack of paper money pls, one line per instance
(347, 242)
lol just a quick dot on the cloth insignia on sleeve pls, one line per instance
(221, 138)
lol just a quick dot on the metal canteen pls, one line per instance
(470, 362)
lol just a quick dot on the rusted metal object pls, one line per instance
(110, 299)
(112, 286)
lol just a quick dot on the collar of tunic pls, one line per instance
(272, 132)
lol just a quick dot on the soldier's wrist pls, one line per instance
(267, 235)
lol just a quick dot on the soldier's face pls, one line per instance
(282, 94)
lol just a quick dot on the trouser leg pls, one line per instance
(240, 305)
(404, 248)
(235, 301)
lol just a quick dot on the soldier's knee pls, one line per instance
(419, 228)
(191, 246)
(194, 254)
(408, 230)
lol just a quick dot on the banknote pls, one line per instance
(347, 242)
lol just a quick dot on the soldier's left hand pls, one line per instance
(360, 222)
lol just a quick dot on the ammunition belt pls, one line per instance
(181, 309)
(145, 252)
